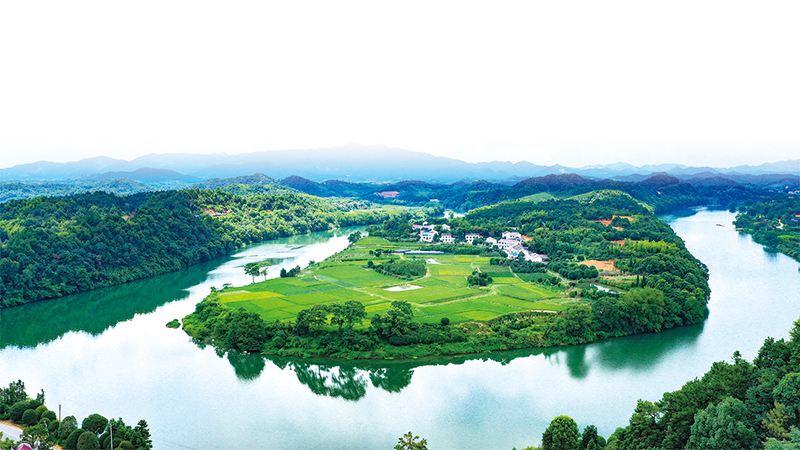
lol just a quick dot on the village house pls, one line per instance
(447, 238)
(513, 235)
(427, 235)
(506, 244)
(469, 237)
(491, 241)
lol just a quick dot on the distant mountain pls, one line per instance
(356, 163)
(149, 175)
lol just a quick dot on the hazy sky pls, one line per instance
(569, 82)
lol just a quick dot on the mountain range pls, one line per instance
(356, 163)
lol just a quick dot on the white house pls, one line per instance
(512, 235)
(506, 244)
(515, 250)
(469, 237)
(427, 235)
(491, 241)
(447, 238)
(535, 257)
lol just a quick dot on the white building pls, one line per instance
(469, 237)
(491, 241)
(512, 235)
(506, 244)
(447, 238)
(427, 235)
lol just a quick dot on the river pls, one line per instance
(109, 351)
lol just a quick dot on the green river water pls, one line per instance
(109, 351)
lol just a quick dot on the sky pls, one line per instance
(575, 83)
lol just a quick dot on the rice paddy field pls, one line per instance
(442, 292)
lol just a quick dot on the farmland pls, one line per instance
(442, 292)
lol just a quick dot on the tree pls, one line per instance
(88, 441)
(354, 312)
(409, 442)
(15, 392)
(71, 443)
(29, 417)
(39, 436)
(722, 427)
(95, 423)
(562, 434)
(252, 269)
(67, 426)
(142, 435)
(590, 439)
(354, 237)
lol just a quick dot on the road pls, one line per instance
(10, 432)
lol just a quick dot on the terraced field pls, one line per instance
(442, 292)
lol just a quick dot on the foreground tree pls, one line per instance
(562, 434)
(722, 427)
(409, 442)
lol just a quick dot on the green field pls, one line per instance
(442, 292)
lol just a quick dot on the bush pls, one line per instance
(53, 426)
(29, 417)
(88, 441)
(445, 321)
(67, 426)
(49, 415)
(40, 410)
(17, 410)
(95, 423)
(71, 443)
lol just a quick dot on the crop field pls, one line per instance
(442, 292)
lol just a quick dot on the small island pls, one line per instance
(521, 274)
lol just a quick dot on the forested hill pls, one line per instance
(54, 246)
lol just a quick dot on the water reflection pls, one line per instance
(645, 351)
(349, 380)
(40, 322)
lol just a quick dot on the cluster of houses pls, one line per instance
(510, 243)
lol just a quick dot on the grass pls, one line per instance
(443, 290)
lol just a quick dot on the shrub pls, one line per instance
(71, 443)
(445, 321)
(40, 410)
(95, 423)
(67, 426)
(53, 426)
(49, 415)
(29, 417)
(88, 441)
(17, 410)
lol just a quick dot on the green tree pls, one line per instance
(88, 441)
(39, 436)
(410, 442)
(71, 443)
(67, 426)
(722, 427)
(354, 237)
(562, 434)
(141, 437)
(252, 269)
(29, 417)
(95, 423)
(354, 312)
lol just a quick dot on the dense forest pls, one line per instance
(44, 430)
(738, 405)
(54, 246)
(773, 222)
(663, 286)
